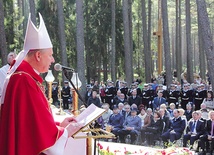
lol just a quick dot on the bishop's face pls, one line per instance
(46, 59)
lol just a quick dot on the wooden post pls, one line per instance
(75, 110)
(159, 34)
(89, 146)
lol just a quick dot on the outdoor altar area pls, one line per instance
(110, 148)
(79, 146)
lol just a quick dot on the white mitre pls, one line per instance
(35, 38)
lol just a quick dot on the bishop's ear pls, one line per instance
(38, 55)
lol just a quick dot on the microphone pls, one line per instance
(59, 67)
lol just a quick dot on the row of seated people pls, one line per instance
(153, 98)
(152, 126)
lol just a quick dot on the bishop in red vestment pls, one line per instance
(27, 126)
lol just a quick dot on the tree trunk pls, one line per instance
(130, 33)
(177, 42)
(62, 38)
(166, 43)
(80, 45)
(207, 37)
(105, 64)
(88, 52)
(190, 77)
(147, 54)
(128, 65)
(131, 36)
(180, 42)
(194, 53)
(3, 44)
(113, 34)
(149, 35)
(20, 14)
(33, 11)
(139, 53)
(173, 62)
(202, 64)
(25, 12)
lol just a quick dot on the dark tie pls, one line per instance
(212, 127)
(193, 126)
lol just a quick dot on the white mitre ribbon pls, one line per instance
(34, 39)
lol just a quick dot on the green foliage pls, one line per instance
(18, 35)
(97, 18)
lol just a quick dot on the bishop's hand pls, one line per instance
(73, 128)
(67, 121)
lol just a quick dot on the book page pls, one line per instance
(88, 115)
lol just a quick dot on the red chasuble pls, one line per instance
(27, 126)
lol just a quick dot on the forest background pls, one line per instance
(108, 39)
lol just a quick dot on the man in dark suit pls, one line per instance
(66, 95)
(208, 135)
(165, 119)
(110, 93)
(199, 96)
(134, 99)
(188, 111)
(146, 96)
(132, 126)
(127, 111)
(55, 93)
(116, 121)
(123, 89)
(194, 129)
(161, 88)
(186, 96)
(116, 98)
(134, 86)
(121, 99)
(158, 100)
(173, 95)
(121, 108)
(176, 129)
(94, 100)
(88, 92)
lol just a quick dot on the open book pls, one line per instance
(88, 115)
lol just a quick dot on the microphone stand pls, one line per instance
(69, 79)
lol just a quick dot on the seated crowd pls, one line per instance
(149, 116)
(146, 127)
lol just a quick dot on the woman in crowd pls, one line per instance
(154, 131)
(209, 101)
(145, 119)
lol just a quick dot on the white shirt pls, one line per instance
(3, 74)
